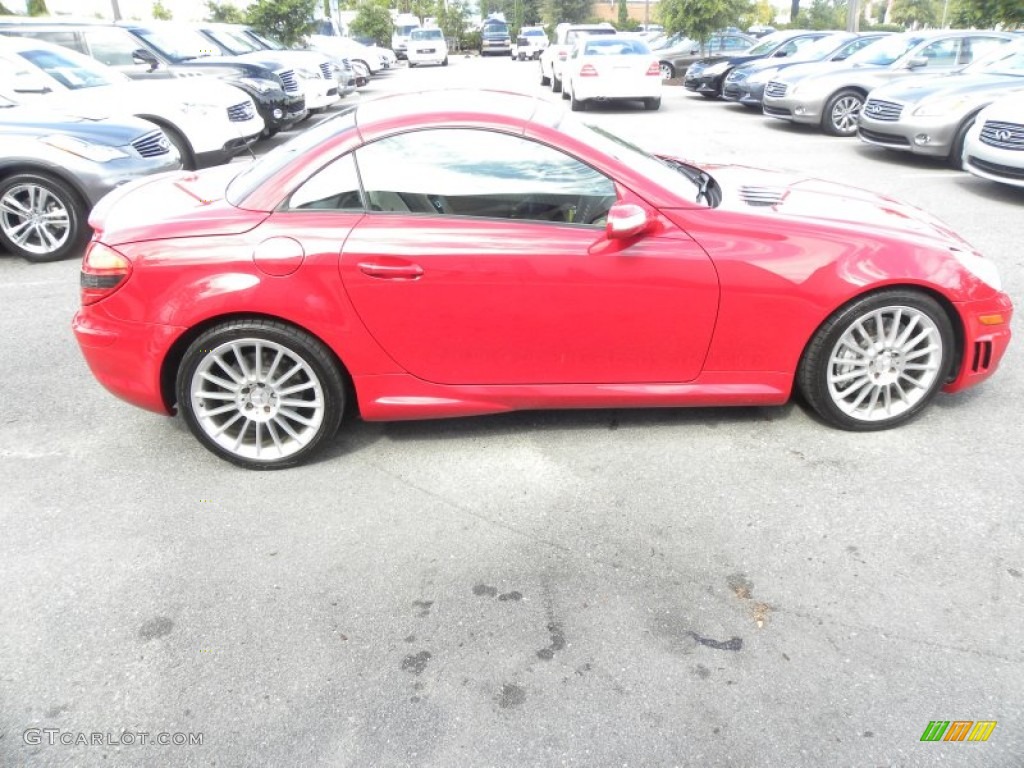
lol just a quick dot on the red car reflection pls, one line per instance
(450, 254)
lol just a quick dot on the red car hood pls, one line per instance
(758, 192)
(177, 204)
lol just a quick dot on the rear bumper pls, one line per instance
(984, 345)
(608, 91)
(125, 357)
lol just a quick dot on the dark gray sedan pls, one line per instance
(54, 167)
(931, 116)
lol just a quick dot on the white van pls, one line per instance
(427, 46)
(404, 24)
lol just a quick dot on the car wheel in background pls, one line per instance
(445, 62)
(41, 217)
(841, 112)
(577, 105)
(260, 393)
(877, 362)
(556, 84)
(955, 158)
(652, 105)
(667, 70)
(544, 79)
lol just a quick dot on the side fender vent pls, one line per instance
(982, 357)
(762, 196)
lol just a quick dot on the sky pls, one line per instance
(183, 10)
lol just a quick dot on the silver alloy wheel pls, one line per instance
(845, 112)
(666, 70)
(257, 399)
(34, 218)
(884, 363)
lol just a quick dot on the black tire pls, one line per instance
(320, 375)
(445, 62)
(544, 79)
(836, 119)
(826, 350)
(556, 83)
(188, 158)
(955, 158)
(577, 105)
(707, 95)
(652, 105)
(667, 70)
(53, 196)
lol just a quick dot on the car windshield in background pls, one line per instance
(885, 51)
(235, 43)
(768, 44)
(177, 44)
(819, 49)
(1001, 61)
(70, 70)
(427, 34)
(615, 46)
(269, 42)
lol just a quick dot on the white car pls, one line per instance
(994, 147)
(350, 49)
(207, 120)
(530, 44)
(427, 46)
(612, 68)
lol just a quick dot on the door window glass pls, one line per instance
(333, 188)
(481, 173)
(113, 47)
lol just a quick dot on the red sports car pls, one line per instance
(447, 254)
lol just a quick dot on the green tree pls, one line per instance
(160, 12)
(698, 19)
(794, 11)
(287, 20)
(373, 20)
(915, 13)
(224, 13)
(986, 13)
(825, 14)
(451, 18)
(623, 14)
(554, 12)
(37, 8)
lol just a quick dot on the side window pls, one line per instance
(335, 187)
(466, 172)
(978, 47)
(942, 53)
(851, 48)
(113, 47)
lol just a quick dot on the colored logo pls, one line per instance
(958, 730)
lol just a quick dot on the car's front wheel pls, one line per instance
(556, 83)
(41, 217)
(260, 393)
(667, 70)
(842, 112)
(877, 362)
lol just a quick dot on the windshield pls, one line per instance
(885, 51)
(1005, 60)
(496, 28)
(820, 48)
(267, 42)
(427, 34)
(671, 176)
(406, 30)
(73, 70)
(232, 42)
(769, 44)
(245, 183)
(177, 44)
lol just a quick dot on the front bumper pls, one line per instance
(791, 108)
(125, 357)
(701, 83)
(279, 110)
(742, 92)
(1003, 165)
(231, 148)
(932, 136)
(984, 345)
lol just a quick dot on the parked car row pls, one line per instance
(86, 107)
(922, 92)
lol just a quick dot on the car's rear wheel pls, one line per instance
(544, 79)
(667, 70)
(556, 83)
(41, 217)
(260, 393)
(652, 105)
(445, 62)
(577, 105)
(841, 113)
(878, 362)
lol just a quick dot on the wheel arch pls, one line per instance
(14, 167)
(956, 359)
(172, 360)
(166, 125)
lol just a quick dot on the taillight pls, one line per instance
(103, 272)
(563, 55)
(654, 70)
(588, 71)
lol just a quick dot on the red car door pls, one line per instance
(483, 259)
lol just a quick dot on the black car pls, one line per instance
(153, 50)
(707, 76)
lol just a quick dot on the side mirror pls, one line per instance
(142, 56)
(917, 62)
(780, 54)
(627, 220)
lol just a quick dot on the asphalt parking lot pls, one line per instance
(707, 587)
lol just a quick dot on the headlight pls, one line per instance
(258, 84)
(937, 107)
(95, 152)
(198, 108)
(716, 69)
(980, 267)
